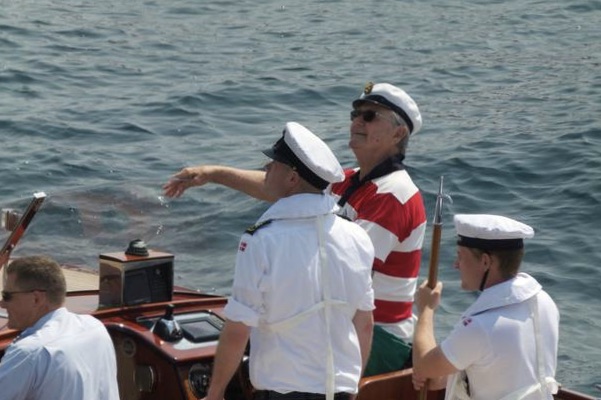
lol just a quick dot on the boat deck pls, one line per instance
(77, 279)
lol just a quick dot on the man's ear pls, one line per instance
(39, 297)
(400, 132)
(486, 260)
(294, 178)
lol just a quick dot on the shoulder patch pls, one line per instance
(252, 229)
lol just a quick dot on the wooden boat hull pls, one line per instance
(398, 385)
(150, 368)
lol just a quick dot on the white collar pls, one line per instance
(40, 322)
(302, 205)
(513, 291)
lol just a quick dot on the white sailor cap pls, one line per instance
(491, 232)
(395, 99)
(308, 155)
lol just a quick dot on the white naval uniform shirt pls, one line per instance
(278, 277)
(64, 356)
(494, 342)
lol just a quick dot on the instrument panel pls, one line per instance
(155, 367)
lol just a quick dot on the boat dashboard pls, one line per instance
(154, 363)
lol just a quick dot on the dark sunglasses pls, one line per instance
(367, 115)
(8, 296)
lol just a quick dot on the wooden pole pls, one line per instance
(433, 269)
(434, 254)
(18, 230)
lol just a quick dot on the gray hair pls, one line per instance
(404, 142)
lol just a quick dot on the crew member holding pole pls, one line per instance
(505, 344)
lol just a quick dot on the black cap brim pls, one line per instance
(383, 101)
(276, 156)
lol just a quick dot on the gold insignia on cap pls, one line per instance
(368, 87)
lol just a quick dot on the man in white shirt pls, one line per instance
(58, 355)
(302, 288)
(380, 196)
(505, 345)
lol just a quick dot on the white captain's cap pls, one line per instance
(394, 98)
(491, 232)
(308, 155)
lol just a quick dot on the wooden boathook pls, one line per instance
(18, 228)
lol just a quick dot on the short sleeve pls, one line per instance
(366, 258)
(467, 343)
(367, 303)
(246, 302)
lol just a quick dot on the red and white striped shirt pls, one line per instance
(391, 209)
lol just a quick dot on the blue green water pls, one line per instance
(100, 102)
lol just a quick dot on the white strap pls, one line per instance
(544, 383)
(548, 383)
(292, 321)
(540, 357)
(325, 287)
(325, 304)
(458, 387)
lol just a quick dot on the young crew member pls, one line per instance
(505, 344)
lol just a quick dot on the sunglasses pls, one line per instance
(367, 115)
(8, 296)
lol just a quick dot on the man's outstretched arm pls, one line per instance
(243, 180)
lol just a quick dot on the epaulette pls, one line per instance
(251, 230)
